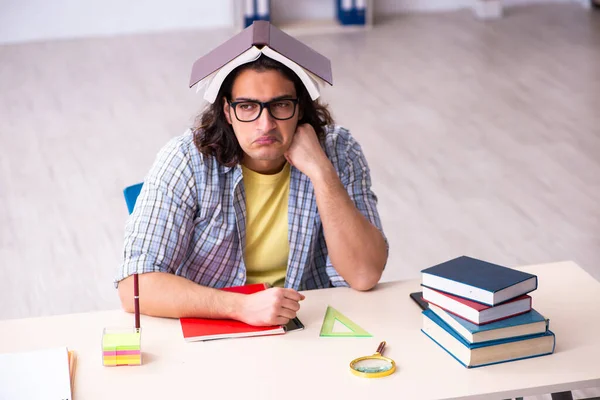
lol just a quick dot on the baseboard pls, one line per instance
(488, 9)
(512, 3)
(386, 7)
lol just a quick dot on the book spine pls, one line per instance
(360, 11)
(256, 10)
(351, 12)
(249, 12)
(345, 11)
(263, 10)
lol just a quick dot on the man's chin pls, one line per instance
(267, 153)
(270, 156)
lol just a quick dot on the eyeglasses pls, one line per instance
(250, 110)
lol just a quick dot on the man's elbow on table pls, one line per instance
(365, 281)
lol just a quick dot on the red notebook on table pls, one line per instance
(200, 329)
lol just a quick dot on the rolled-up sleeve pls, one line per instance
(355, 175)
(158, 231)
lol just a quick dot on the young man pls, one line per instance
(264, 189)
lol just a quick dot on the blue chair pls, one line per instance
(131, 194)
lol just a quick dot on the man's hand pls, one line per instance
(274, 306)
(305, 152)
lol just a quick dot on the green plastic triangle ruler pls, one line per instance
(331, 316)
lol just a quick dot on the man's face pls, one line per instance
(266, 139)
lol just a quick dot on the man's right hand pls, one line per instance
(273, 306)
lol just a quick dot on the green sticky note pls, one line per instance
(121, 341)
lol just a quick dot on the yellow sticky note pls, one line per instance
(114, 363)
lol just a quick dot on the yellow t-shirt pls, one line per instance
(267, 247)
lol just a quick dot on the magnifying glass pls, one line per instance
(375, 366)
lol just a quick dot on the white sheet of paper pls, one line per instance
(42, 374)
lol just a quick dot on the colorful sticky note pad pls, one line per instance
(121, 347)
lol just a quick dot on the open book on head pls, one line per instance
(202, 329)
(209, 71)
(212, 84)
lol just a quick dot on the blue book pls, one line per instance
(478, 280)
(473, 355)
(529, 323)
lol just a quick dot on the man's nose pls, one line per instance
(265, 121)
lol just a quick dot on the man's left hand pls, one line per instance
(305, 152)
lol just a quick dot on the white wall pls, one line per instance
(32, 20)
(288, 10)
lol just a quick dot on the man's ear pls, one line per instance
(227, 110)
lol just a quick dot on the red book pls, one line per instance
(474, 312)
(195, 329)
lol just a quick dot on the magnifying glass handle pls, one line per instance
(381, 347)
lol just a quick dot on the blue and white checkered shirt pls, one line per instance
(190, 217)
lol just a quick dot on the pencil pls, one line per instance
(136, 300)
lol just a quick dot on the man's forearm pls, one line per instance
(168, 295)
(356, 247)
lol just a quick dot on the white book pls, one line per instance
(41, 374)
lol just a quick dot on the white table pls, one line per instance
(301, 365)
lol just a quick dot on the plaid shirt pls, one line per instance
(190, 217)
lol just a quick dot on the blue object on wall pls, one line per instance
(256, 10)
(131, 194)
(349, 12)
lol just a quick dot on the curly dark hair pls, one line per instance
(214, 136)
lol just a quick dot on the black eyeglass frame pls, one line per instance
(263, 105)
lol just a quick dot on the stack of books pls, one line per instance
(481, 314)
